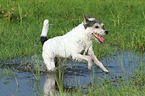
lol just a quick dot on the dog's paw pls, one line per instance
(51, 71)
(106, 71)
(90, 64)
(89, 68)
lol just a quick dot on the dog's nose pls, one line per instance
(106, 32)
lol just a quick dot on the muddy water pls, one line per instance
(76, 74)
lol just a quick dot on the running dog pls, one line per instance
(76, 44)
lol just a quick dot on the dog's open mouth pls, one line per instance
(100, 38)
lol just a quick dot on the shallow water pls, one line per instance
(76, 74)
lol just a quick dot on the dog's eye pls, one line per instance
(103, 27)
(97, 27)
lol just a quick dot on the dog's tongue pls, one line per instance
(100, 38)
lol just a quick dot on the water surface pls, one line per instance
(76, 74)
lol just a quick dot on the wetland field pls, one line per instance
(22, 71)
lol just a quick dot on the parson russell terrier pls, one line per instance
(76, 44)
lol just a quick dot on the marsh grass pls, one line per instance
(59, 78)
(8, 73)
(123, 19)
(134, 85)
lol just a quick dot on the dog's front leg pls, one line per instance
(83, 57)
(91, 53)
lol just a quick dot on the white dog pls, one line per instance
(76, 44)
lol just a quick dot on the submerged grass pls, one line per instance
(127, 88)
(132, 86)
(19, 35)
(21, 28)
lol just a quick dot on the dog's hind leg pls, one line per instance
(50, 64)
(97, 62)
(84, 57)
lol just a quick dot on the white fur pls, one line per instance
(70, 45)
(45, 28)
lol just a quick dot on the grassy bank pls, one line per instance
(20, 32)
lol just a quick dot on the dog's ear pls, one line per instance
(91, 16)
(85, 19)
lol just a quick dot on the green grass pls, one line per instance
(124, 19)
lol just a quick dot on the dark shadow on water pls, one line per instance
(76, 75)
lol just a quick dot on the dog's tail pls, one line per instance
(43, 36)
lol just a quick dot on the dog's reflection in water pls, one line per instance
(53, 84)
(50, 85)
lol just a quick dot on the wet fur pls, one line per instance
(75, 44)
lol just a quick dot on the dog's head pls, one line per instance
(95, 28)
